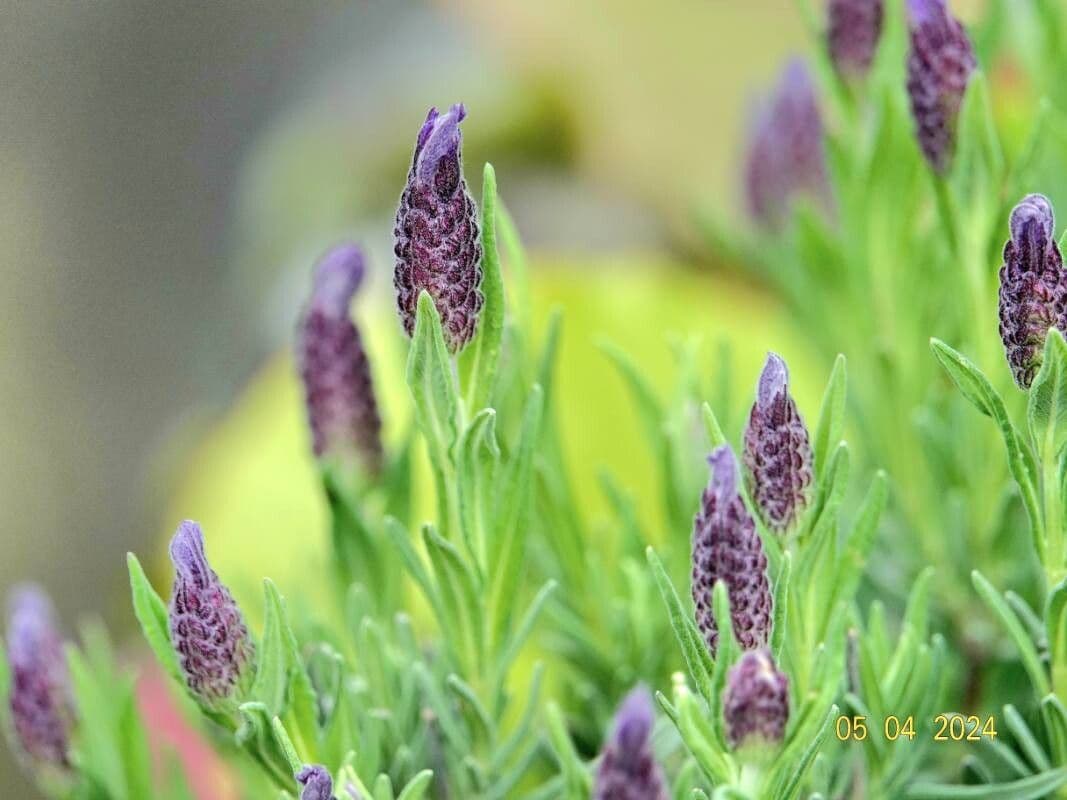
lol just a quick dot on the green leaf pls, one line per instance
(702, 740)
(694, 649)
(508, 548)
(1023, 789)
(271, 682)
(518, 272)
(479, 361)
(980, 392)
(781, 606)
(1015, 629)
(1047, 405)
(1056, 620)
(576, 782)
(1055, 716)
(432, 381)
(651, 414)
(416, 788)
(302, 700)
(525, 627)
(980, 157)
(791, 784)
(831, 422)
(1025, 739)
(458, 589)
(479, 455)
(716, 438)
(860, 540)
(281, 736)
(151, 613)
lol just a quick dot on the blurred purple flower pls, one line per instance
(628, 769)
(940, 63)
(436, 235)
(777, 453)
(853, 30)
(1033, 287)
(755, 703)
(207, 629)
(339, 392)
(42, 708)
(316, 783)
(726, 547)
(786, 157)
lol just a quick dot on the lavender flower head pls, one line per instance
(436, 235)
(628, 770)
(853, 30)
(339, 392)
(786, 157)
(940, 63)
(777, 455)
(42, 708)
(1033, 287)
(207, 630)
(755, 703)
(316, 783)
(726, 547)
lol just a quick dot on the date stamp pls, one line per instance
(944, 728)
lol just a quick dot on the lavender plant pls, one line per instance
(919, 169)
(493, 651)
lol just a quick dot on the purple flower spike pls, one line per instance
(786, 156)
(628, 770)
(338, 389)
(316, 783)
(777, 454)
(42, 708)
(436, 235)
(207, 629)
(940, 63)
(853, 30)
(1033, 287)
(755, 703)
(726, 547)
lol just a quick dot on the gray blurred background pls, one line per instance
(167, 170)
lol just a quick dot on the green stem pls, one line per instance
(946, 208)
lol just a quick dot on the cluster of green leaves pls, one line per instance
(909, 254)
(817, 633)
(1038, 464)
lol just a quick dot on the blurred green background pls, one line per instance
(168, 172)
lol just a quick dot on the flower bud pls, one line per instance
(940, 63)
(339, 392)
(42, 708)
(207, 630)
(777, 453)
(755, 703)
(853, 30)
(315, 782)
(726, 547)
(786, 156)
(436, 235)
(628, 769)
(1033, 287)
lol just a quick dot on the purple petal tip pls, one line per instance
(772, 381)
(188, 555)
(1033, 209)
(337, 277)
(634, 720)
